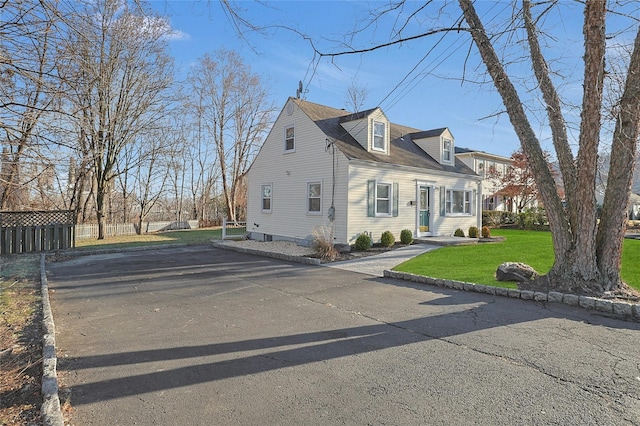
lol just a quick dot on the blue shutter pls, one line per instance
(395, 199)
(443, 201)
(371, 198)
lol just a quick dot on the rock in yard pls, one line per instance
(515, 271)
(342, 248)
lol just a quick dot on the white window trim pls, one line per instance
(450, 150)
(290, 126)
(319, 212)
(389, 199)
(467, 201)
(262, 198)
(373, 136)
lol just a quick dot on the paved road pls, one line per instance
(202, 336)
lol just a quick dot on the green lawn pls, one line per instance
(194, 236)
(477, 263)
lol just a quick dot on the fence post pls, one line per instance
(224, 228)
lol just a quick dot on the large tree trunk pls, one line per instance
(622, 163)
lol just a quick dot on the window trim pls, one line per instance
(374, 135)
(293, 138)
(263, 198)
(467, 202)
(319, 197)
(450, 150)
(389, 200)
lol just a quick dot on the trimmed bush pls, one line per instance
(473, 232)
(458, 233)
(486, 232)
(406, 236)
(387, 239)
(363, 242)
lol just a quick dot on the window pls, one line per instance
(378, 136)
(383, 199)
(446, 151)
(289, 139)
(458, 202)
(314, 192)
(266, 197)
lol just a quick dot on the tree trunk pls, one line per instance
(613, 220)
(100, 211)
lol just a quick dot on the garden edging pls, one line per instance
(614, 308)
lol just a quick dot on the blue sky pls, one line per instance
(431, 96)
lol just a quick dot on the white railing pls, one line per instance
(233, 230)
(118, 229)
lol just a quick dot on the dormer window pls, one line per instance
(447, 148)
(379, 136)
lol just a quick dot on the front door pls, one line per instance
(424, 213)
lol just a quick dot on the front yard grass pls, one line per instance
(191, 237)
(478, 263)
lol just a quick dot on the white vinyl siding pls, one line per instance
(405, 182)
(289, 175)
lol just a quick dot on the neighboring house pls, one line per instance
(490, 167)
(326, 168)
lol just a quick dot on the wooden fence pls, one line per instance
(36, 231)
(117, 229)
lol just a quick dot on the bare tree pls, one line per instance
(29, 91)
(236, 115)
(356, 97)
(120, 70)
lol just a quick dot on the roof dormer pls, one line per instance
(371, 130)
(439, 144)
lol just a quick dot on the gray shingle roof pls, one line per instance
(403, 151)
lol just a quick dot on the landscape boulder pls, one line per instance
(342, 248)
(515, 271)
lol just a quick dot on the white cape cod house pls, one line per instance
(326, 168)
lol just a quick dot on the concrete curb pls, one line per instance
(611, 308)
(50, 411)
(280, 256)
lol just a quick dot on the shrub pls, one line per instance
(387, 239)
(323, 244)
(458, 233)
(406, 236)
(363, 242)
(486, 232)
(473, 232)
(532, 218)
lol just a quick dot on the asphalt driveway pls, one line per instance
(203, 336)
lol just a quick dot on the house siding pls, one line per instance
(289, 173)
(407, 180)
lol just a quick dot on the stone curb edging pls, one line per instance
(280, 256)
(50, 411)
(622, 310)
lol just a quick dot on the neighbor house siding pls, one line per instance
(407, 180)
(289, 173)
